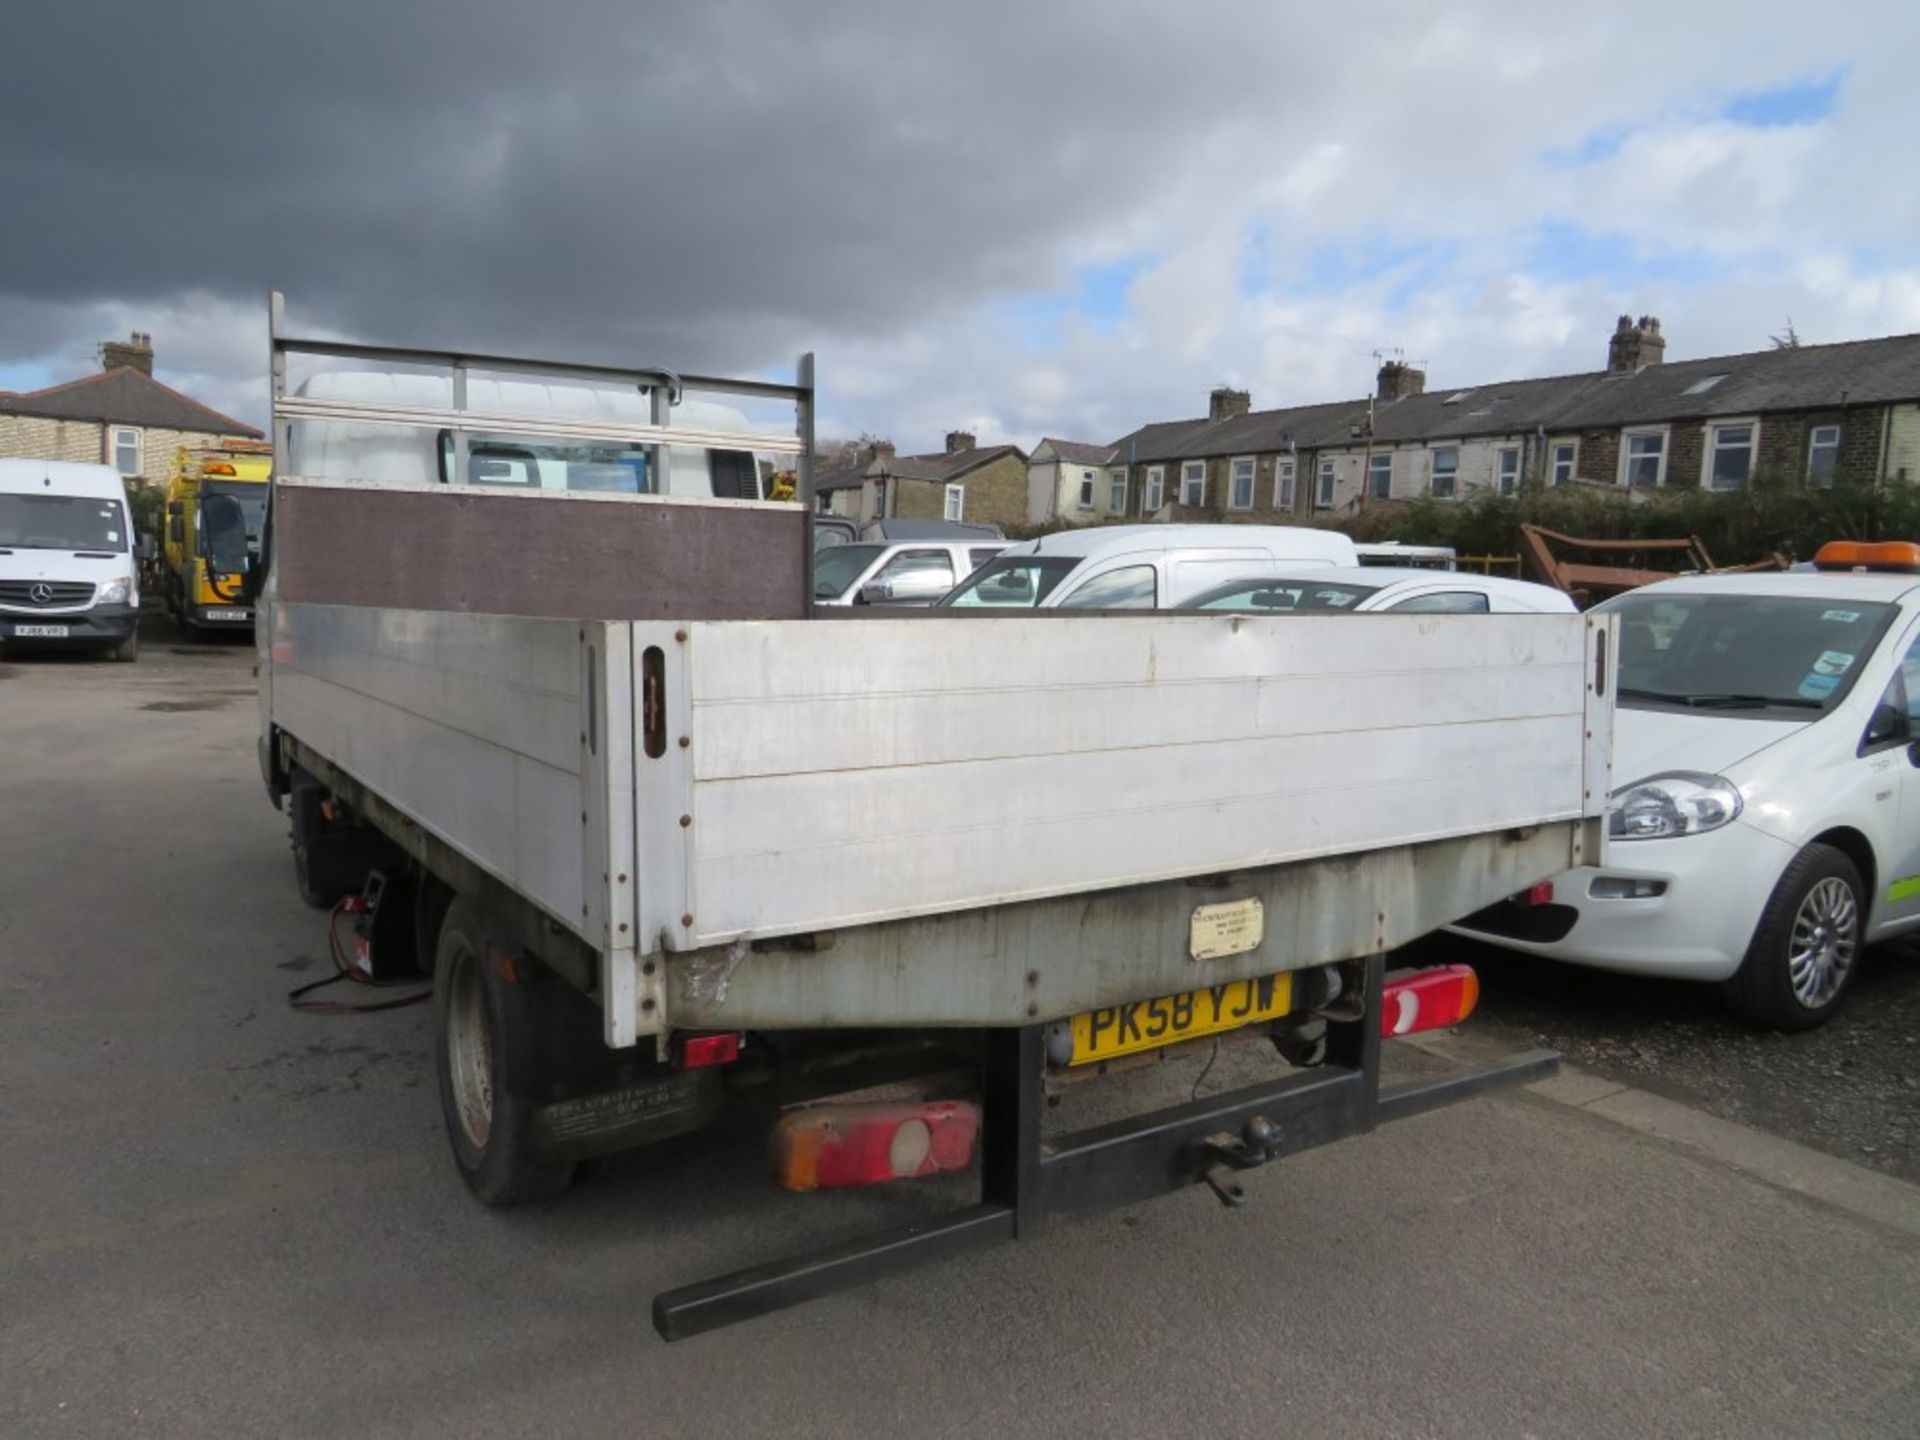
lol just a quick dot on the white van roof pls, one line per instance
(61, 477)
(1288, 542)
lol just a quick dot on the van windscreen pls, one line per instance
(61, 522)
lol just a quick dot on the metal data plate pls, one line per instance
(1234, 927)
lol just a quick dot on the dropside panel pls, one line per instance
(843, 776)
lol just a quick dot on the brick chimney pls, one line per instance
(959, 440)
(1398, 379)
(876, 450)
(1635, 346)
(136, 352)
(1225, 402)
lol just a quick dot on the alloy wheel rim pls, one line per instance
(1820, 950)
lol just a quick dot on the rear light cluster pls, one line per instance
(825, 1146)
(1429, 1000)
(690, 1052)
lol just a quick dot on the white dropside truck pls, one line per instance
(667, 842)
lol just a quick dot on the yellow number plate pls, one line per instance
(1149, 1024)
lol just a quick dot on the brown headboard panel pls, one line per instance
(570, 557)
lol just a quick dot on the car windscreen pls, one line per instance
(1768, 655)
(252, 500)
(1282, 597)
(61, 522)
(838, 566)
(1012, 582)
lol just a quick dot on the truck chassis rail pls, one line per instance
(1026, 1181)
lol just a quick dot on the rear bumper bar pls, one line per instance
(1027, 1182)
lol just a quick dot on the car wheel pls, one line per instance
(1807, 945)
(128, 649)
(475, 1008)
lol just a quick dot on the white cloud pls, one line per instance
(885, 187)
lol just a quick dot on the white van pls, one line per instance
(401, 455)
(1140, 567)
(67, 566)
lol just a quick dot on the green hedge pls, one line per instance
(1772, 515)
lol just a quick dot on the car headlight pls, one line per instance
(1680, 803)
(114, 592)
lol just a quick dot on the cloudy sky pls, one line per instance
(1052, 217)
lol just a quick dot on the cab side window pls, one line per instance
(1444, 602)
(1896, 719)
(1131, 588)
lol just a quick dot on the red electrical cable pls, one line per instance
(344, 969)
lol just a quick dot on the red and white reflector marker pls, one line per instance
(1428, 1000)
(824, 1146)
(1541, 894)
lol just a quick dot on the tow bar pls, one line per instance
(1027, 1182)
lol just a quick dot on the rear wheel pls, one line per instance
(475, 1006)
(1804, 951)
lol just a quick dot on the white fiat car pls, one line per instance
(1366, 588)
(1765, 822)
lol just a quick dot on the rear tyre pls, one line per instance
(475, 1004)
(1806, 947)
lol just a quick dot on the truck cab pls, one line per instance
(67, 566)
(216, 509)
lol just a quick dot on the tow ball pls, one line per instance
(1256, 1144)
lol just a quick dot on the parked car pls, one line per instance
(833, 530)
(68, 564)
(1140, 567)
(897, 529)
(1398, 553)
(873, 573)
(1324, 590)
(1768, 826)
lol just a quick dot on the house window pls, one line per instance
(1380, 476)
(126, 450)
(956, 502)
(1446, 469)
(1283, 485)
(1240, 497)
(1154, 493)
(1086, 489)
(1823, 455)
(1507, 469)
(1323, 488)
(1117, 493)
(1193, 483)
(1730, 455)
(1643, 460)
(1566, 460)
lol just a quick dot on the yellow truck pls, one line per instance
(206, 544)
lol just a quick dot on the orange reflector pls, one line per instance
(1896, 556)
(690, 1052)
(825, 1146)
(218, 470)
(1429, 1000)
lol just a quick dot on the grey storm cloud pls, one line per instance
(718, 177)
(917, 189)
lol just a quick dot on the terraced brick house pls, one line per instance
(984, 484)
(121, 416)
(1075, 482)
(1819, 412)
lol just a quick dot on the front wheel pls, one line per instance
(475, 1004)
(1803, 955)
(127, 650)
